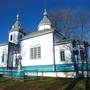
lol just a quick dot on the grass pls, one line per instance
(41, 84)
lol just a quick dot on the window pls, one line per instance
(2, 57)
(35, 52)
(62, 55)
(11, 38)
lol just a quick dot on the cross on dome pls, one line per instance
(45, 12)
(17, 17)
(17, 25)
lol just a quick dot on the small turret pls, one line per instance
(45, 23)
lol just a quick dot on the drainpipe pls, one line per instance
(54, 66)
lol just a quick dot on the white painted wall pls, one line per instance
(3, 50)
(65, 47)
(43, 27)
(46, 43)
(57, 74)
(52, 74)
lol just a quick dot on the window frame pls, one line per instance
(35, 52)
(62, 55)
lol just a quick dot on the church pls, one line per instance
(42, 53)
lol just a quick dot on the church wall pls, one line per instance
(3, 56)
(52, 74)
(46, 44)
(66, 48)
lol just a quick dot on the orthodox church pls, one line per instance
(43, 53)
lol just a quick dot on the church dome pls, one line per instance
(17, 25)
(45, 23)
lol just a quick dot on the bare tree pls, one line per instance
(64, 21)
(83, 20)
(71, 23)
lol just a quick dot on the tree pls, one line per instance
(71, 23)
(64, 21)
(83, 21)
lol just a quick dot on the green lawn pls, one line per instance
(42, 84)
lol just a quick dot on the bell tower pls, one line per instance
(16, 33)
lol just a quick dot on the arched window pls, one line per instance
(11, 37)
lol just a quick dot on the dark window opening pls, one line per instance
(62, 55)
(3, 58)
(11, 38)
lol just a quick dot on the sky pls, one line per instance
(31, 12)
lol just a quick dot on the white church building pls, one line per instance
(42, 53)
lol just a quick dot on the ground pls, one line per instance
(42, 84)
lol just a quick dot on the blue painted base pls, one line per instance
(59, 67)
(43, 68)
